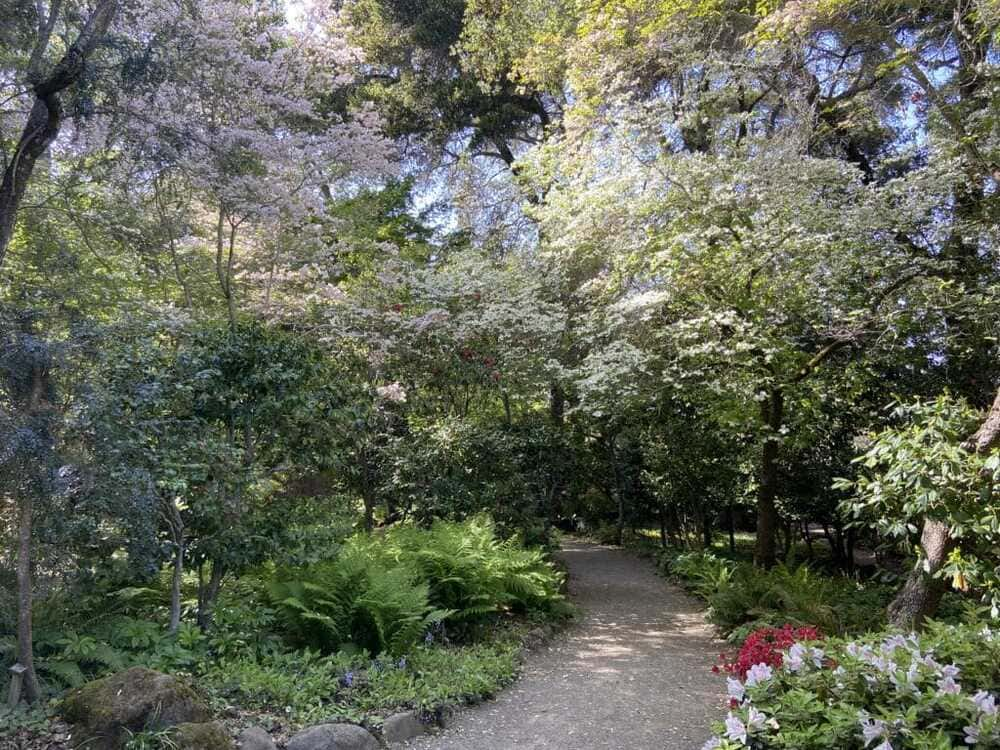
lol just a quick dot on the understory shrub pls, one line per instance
(356, 602)
(743, 598)
(702, 572)
(471, 572)
(385, 593)
(933, 691)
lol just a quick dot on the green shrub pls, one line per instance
(606, 533)
(702, 572)
(67, 659)
(356, 602)
(432, 676)
(931, 692)
(471, 572)
(384, 593)
(23, 718)
(797, 596)
(742, 597)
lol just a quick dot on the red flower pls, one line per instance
(765, 646)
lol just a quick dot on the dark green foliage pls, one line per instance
(742, 597)
(453, 469)
(421, 87)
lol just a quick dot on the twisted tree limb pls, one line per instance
(46, 116)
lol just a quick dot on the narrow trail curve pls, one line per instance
(634, 673)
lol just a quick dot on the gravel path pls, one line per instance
(633, 674)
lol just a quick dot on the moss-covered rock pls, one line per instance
(104, 712)
(205, 736)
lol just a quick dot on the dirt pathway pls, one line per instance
(634, 674)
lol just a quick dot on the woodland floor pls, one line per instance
(633, 674)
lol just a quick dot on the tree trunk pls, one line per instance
(369, 502)
(557, 404)
(207, 594)
(921, 594)
(225, 262)
(836, 546)
(45, 118)
(36, 405)
(772, 413)
(175, 523)
(706, 529)
(663, 525)
(557, 468)
(988, 433)
(25, 637)
(732, 528)
(849, 548)
(619, 499)
(675, 525)
(620, 524)
(807, 536)
(175, 587)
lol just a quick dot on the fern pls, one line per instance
(64, 671)
(384, 593)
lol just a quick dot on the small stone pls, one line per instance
(333, 737)
(255, 738)
(403, 727)
(446, 716)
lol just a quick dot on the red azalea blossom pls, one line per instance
(765, 646)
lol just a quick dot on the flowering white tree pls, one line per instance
(237, 120)
(734, 280)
